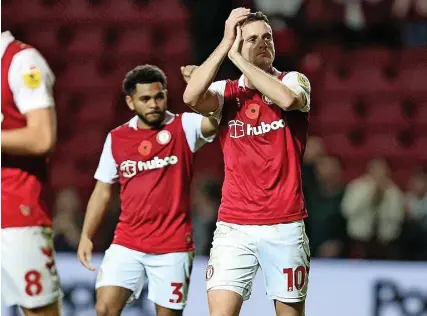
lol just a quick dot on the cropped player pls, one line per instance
(151, 157)
(263, 133)
(28, 124)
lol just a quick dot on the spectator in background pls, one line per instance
(417, 198)
(326, 223)
(67, 220)
(413, 14)
(374, 208)
(206, 200)
(314, 150)
(415, 229)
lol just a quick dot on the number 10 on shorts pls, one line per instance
(296, 277)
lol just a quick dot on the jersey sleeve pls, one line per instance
(192, 123)
(298, 83)
(107, 171)
(218, 87)
(31, 80)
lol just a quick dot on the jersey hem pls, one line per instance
(47, 225)
(262, 221)
(154, 251)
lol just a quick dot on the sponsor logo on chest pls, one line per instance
(130, 168)
(240, 129)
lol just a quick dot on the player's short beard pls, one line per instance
(153, 123)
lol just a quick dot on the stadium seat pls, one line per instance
(136, 41)
(370, 80)
(97, 109)
(412, 77)
(44, 38)
(420, 119)
(87, 41)
(323, 12)
(384, 114)
(370, 56)
(336, 83)
(341, 145)
(86, 75)
(337, 114)
(414, 55)
(385, 145)
(168, 13)
(178, 45)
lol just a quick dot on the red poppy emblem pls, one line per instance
(145, 148)
(252, 111)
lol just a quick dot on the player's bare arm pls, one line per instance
(267, 84)
(37, 138)
(95, 212)
(196, 94)
(209, 126)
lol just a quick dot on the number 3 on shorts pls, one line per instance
(296, 277)
(177, 287)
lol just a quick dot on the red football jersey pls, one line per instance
(263, 148)
(26, 85)
(154, 169)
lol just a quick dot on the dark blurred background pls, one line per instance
(365, 173)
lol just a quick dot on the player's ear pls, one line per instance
(129, 102)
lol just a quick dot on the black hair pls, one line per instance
(143, 74)
(257, 16)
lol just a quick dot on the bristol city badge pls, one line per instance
(267, 100)
(163, 137)
(209, 272)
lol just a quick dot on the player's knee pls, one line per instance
(290, 309)
(104, 308)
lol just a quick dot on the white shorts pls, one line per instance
(282, 251)
(29, 276)
(168, 274)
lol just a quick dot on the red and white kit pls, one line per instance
(260, 221)
(29, 276)
(153, 240)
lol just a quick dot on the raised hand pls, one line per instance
(236, 16)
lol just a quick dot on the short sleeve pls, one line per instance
(298, 83)
(107, 167)
(31, 81)
(192, 123)
(218, 87)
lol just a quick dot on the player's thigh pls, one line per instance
(284, 257)
(224, 303)
(289, 309)
(110, 300)
(121, 272)
(30, 278)
(169, 278)
(49, 310)
(231, 269)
